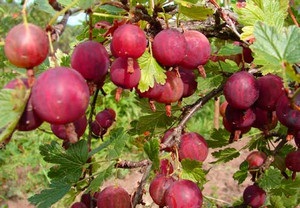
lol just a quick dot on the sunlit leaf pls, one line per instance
(151, 71)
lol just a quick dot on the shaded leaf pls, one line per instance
(114, 134)
(153, 120)
(56, 191)
(85, 4)
(230, 49)
(70, 163)
(225, 155)
(116, 148)
(195, 12)
(151, 148)
(102, 176)
(288, 187)
(242, 173)
(218, 138)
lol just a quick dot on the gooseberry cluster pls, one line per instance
(250, 102)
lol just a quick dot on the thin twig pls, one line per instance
(130, 164)
(293, 16)
(138, 196)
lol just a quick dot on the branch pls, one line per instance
(59, 28)
(187, 113)
(130, 164)
(229, 17)
(138, 195)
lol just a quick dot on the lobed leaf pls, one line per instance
(102, 176)
(277, 46)
(69, 163)
(242, 173)
(57, 190)
(151, 148)
(225, 155)
(218, 138)
(151, 71)
(114, 135)
(270, 179)
(192, 170)
(272, 12)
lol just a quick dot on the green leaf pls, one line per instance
(276, 201)
(47, 197)
(151, 71)
(114, 134)
(192, 170)
(277, 46)
(44, 6)
(195, 12)
(229, 66)
(102, 176)
(288, 187)
(270, 179)
(271, 12)
(256, 143)
(218, 138)
(225, 155)
(12, 104)
(70, 163)
(116, 149)
(242, 173)
(85, 4)
(230, 49)
(282, 201)
(151, 148)
(153, 120)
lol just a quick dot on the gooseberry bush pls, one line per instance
(130, 94)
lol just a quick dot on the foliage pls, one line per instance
(268, 27)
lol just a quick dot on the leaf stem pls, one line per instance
(24, 16)
(293, 16)
(110, 15)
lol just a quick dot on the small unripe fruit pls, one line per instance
(256, 159)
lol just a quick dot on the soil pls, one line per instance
(221, 187)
